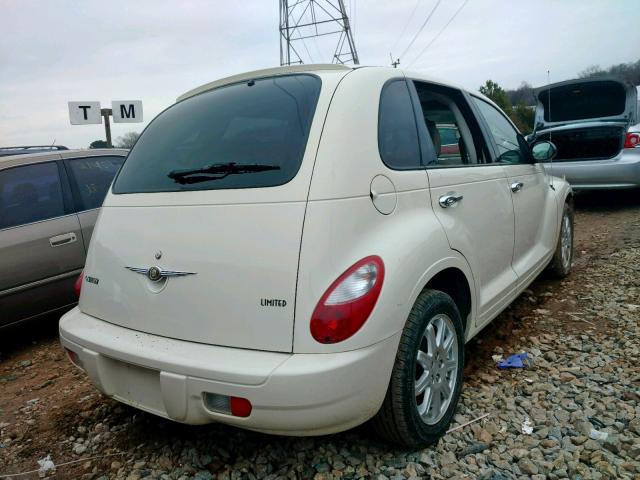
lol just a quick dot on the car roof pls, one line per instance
(30, 158)
(266, 72)
(24, 149)
(319, 68)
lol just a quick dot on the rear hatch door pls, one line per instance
(211, 199)
(586, 100)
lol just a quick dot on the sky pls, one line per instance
(55, 51)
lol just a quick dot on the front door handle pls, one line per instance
(449, 199)
(62, 239)
(516, 186)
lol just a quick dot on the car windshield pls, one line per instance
(260, 127)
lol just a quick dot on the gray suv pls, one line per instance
(49, 203)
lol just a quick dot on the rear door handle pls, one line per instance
(63, 239)
(516, 186)
(449, 199)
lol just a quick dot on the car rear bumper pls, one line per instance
(622, 171)
(291, 394)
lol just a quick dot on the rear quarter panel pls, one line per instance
(342, 225)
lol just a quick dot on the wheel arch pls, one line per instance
(452, 276)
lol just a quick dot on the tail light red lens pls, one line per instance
(77, 287)
(348, 302)
(240, 407)
(632, 140)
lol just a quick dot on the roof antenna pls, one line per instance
(394, 63)
(549, 116)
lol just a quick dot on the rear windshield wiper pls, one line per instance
(217, 171)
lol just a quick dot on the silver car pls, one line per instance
(49, 203)
(591, 122)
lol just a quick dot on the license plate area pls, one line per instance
(136, 386)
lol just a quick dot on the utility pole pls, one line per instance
(106, 112)
(306, 19)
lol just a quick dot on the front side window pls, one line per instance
(30, 193)
(91, 177)
(504, 134)
(397, 130)
(246, 135)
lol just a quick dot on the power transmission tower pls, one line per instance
(303, 19)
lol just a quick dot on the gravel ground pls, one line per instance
(580, 400)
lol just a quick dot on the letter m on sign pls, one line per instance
(127, 111)
(130, 113)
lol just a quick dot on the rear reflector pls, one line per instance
(240, 407)
(74, 357)
(236, 406)
(632, 140)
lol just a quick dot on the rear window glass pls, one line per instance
(91, 178)
(580, 102)
(449, 135)
(246, 135)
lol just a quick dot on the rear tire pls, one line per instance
(427, 376)
(560, 265)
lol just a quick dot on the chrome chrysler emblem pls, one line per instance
(155, 274)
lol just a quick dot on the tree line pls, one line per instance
(125, 141)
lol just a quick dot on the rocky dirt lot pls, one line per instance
(581, 398)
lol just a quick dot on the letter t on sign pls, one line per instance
(84, 113)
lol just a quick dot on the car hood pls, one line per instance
(585, 101)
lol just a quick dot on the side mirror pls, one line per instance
(544, 151)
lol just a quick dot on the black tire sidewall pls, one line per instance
(568, 211)
(432, 304)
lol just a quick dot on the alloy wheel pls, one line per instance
(436, 369)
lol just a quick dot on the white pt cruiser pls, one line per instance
(293, 251)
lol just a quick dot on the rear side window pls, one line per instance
(397, 130)
(91, 177)
(245, 135)
(450, 125)
(30, 193)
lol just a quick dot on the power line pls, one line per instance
(439, 33)
(420, 29)
(404, 29)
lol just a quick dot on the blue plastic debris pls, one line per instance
(517, 360)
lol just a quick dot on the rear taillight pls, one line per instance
(632, 140)
(77, 287)
(348, 302)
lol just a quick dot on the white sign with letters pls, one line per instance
(126, 111)
(84, 113)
